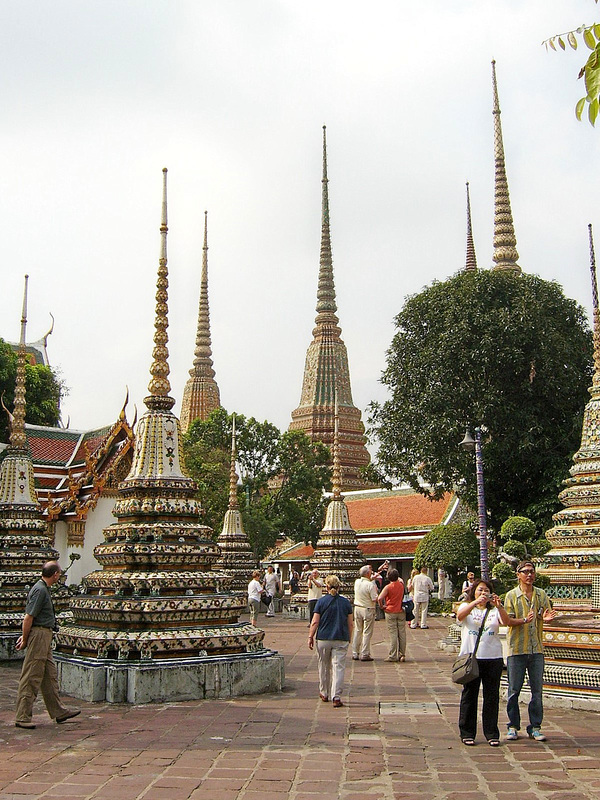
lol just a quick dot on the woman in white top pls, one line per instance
(255, 588)
(481, 598)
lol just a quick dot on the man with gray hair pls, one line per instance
(365, 597)
(39, 669)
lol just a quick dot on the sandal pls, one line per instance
(494, 743)
(469, 742)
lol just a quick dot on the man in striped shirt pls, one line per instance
(528, 608)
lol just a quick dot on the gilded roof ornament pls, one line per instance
(471, 260)
(505, 242)
(159, 387)
(18, 440)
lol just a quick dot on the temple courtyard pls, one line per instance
(396, 737)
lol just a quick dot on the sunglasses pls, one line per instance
(527, 571)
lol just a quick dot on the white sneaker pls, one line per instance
(535, 733)
(512, 735)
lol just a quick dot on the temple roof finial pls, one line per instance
(18, 440)
(233, 478)
(596, 310)
(159, 387)
(326, 304)
(471, 260)
(505, 242)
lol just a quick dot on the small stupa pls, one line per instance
(572, 640)
(201, 393)
(337, 550)
(237, 558)
(24, 542)
(158, 622)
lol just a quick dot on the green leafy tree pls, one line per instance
(590, 72)
(520, 528)
(510, 353)
(283, 477)
(43, 389)
(454, 547)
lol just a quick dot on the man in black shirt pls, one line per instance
(39, 669)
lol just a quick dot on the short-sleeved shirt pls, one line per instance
(334, 610)
(39, 606)
(394, 597)
(528, 638)
(365, 593)
(421, 586)
(254, 590)
(490, 645)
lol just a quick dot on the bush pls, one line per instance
(504, 576)
(520, 528)
(539, 548)
(449, 546)
(437, 606)
(515, 548)
(542, 581)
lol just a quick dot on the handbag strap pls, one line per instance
(487, 611)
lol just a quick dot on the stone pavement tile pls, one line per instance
(213, 784)
(325, 788)
(19, 788)
(177, 783)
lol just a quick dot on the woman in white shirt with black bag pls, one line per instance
(481, 607)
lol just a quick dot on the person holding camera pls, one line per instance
(481, 611)
(39, 670)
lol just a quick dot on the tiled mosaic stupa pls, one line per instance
(572, 640)
(337, 549)
(326, 369)
(24, 542)
(158, 622)
(237, 558)
(201, 393)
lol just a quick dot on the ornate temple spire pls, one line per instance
(159, 387)
(201, 393)
(326, 370)
(336, 477)
(575, 536)
(18, 439)
(471, 260)
(505, 242)
(596, 380)
(326, 305)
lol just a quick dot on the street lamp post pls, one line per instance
(468, 443)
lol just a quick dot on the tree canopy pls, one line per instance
(282, 477)
(454, 547)
(507, 352)
(590, 72)
(43, 391)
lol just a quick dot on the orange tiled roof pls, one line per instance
(371, 548)
(51, 445)
(394, 512)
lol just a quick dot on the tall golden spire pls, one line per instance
(336, 476)
(201, 394)
(471, 260)
(596, 380)
(18, 440)
(326, 368)
(159, 387)
(505, 242)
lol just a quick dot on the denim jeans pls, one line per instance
(533, 664)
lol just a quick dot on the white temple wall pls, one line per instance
(98, 518)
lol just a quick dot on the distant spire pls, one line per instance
(326, 305)
(505, 242)
(471, 262)
(233, 478)
(159, 387)
(201, 394)
(596, 381)
(18, 440)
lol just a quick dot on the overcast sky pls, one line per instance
(231, 95)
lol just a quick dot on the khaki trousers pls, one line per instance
(364, 622)
(39, 672)
(331, 655)
(396, 625)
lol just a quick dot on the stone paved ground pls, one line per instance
(294, 746)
